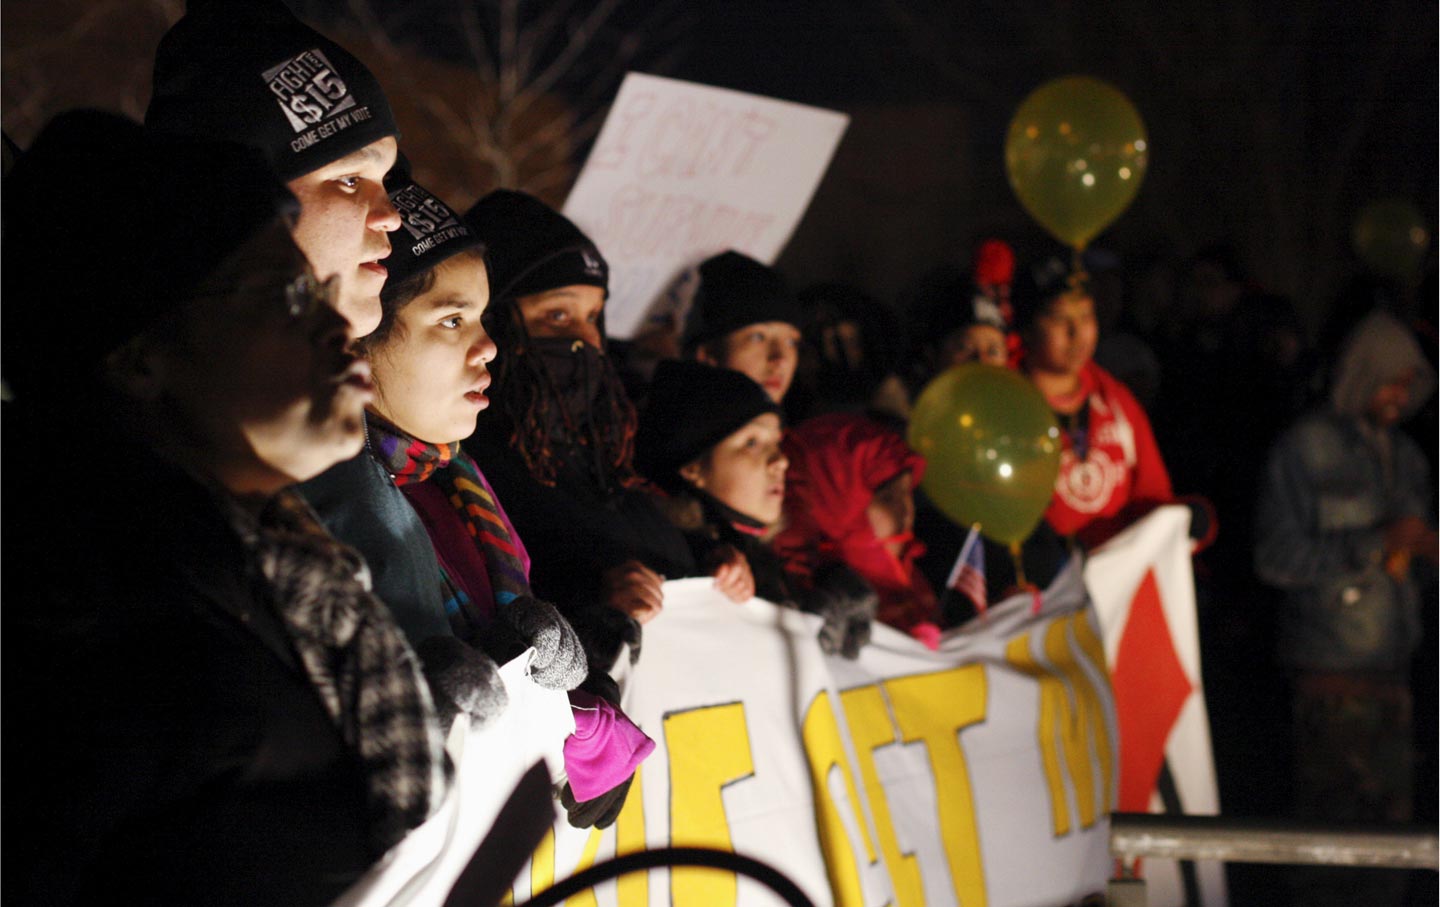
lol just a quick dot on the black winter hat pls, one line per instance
(73, 299)
(736, 290)
(1039, 284)
(252, 73)
(430, 230)
(532, 247)
(691, 408)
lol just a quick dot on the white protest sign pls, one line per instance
(682, 171)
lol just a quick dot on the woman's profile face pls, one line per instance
(431, 371)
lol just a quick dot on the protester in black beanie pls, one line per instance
(745, 317)
(557, 443)
(212, 708)
(252, 73)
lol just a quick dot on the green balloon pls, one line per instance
(1391, 239)
(1075, 154)
(992, 449)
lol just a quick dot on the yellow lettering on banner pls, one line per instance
(870, 729)
(586, 898)
(1094, 650)
(1071, 715)
(542, 864)
(1017, 654)
(961, 694)
(632, 889)
(709, 748)
(1091, 715)
(824, 749)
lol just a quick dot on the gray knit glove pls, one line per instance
(847, 603)
(559, 662)
(461, 679)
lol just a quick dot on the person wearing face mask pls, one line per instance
(204, 702)
(850, 500)
(558, 445)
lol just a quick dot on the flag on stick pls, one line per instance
(968, 575)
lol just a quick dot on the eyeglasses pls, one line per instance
(307, 292)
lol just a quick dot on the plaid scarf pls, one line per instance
(410, 460)
(357, 659)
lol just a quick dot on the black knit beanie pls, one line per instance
(1038, 285)
(70, 299)
(532, 247)
(691, 408)
(430, 230)
(252, 73)
(736, 290)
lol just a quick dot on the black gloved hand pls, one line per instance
(599, 812)
(603, 630)
(848, 605)
(461, 679)
(559, 662)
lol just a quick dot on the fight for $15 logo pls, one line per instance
(312, 96)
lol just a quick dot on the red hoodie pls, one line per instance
(1121, 477)
(836, 462)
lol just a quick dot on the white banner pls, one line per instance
(1143, 589)
(423, 867)
(683, 171)
(980, 774)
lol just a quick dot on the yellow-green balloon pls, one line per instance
(1075, 155)
(1391, 239)
(992, 449)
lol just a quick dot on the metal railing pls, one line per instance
(1137, 835)
(1262, 841)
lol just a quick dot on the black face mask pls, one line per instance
(577, 373)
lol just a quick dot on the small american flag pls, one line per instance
(968, 575)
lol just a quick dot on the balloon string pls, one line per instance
(1078, 277)
(1019, 567)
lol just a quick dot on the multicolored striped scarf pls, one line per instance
(410, 460)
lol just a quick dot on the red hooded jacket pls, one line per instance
(836, 462)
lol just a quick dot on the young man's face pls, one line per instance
(1064, 335)
(345, 216)
(430, 373)
(746, 470)
(256, 373)
(766, 351)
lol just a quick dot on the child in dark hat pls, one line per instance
(745, 317)
(253, 74)
(851, 356)
(710, 439)
(216, 708)
(558, 445)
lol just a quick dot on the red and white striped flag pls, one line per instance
(968, 575)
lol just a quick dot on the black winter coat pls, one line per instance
(162, 744)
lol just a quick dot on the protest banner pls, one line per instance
(979, 774)
(489, 761)
(682, 171)
(1143, 589)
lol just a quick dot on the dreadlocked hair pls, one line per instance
(528, 398)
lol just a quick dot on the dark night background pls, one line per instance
(1270, 126)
